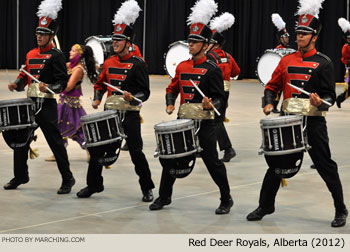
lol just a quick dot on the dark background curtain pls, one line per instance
(252, 33)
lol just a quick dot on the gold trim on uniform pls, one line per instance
(195, 111)
(117, 102)
(301, 106)
(227, 85)
(33, 91)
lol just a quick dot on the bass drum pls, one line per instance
(178, 52)
(101, 46)
(267, 63)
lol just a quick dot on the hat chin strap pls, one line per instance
(308, 44)
(49, 41)
(194, 55)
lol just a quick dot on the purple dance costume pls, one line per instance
(69, 112)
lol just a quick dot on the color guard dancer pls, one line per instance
(312, 71)
(47, 64)
(208, 76)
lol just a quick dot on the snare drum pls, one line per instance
(178, 52)
(17, 114)
(101, 128)
(282, 135)
(175, 138)
(101, 46)
(267, 63)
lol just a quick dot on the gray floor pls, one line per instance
(305, 206)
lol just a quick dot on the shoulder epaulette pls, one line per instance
(324, 56)
(140, 59)
(212, 63)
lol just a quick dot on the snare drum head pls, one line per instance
(267, 64)
(178, 52)
(100, 46)
(281, 120)
(98, 116)
(174, 125)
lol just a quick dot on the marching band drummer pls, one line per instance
(47, 64)
(129, 73)
(229, 68)
(312, 71)
(209, 79)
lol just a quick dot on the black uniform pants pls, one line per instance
(321, 157)
(47, 121)
(221, 133)
(216, 168)
(132, 128)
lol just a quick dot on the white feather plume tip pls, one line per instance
(49, 8)
(222, 22)
(202, 12)
(311, 7)
(127, 13)
(344, 24)
(278, 21)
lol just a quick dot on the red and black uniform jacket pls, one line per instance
(206, 75)
(345, 54)
(47, 65)
(312, 72)
(226, 63)
(128, 73)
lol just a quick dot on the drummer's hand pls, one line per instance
(127, 96)
(315, 100)
(206, 103)
(42, 87)
(96, 103)
(267, 109)
(170, 109)
(12, 86)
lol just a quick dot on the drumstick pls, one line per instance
(200, 91)
(35, 79)
(307, 93)
(122, 92)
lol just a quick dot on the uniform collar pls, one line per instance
(45, 49)
(200, 61)
(308, 54)
(126, 57)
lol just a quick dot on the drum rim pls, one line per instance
(16, 127)
(284, 152)
(292, 119)
(179, 155)
(17, 101)
(105, 142)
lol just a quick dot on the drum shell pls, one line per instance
(177, 140)
(282, 135)
(285, 166)
(101, 128)
(179, 167)
(101, 46)
(16, 114)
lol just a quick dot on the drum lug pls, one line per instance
(156, 153)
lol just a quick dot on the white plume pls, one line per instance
(311, 7)
(127, 13)
(202, 12)
(344, 24)
(278, 21)
(222, 22)
(49, 8)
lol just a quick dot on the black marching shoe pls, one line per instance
(125, 147)
(259, 213)
(159, 203)
(340, 218)
(338, 102)
(228, 155)
(147, 196)
(86, 192)
(66, 186)
(224, 207)
(14, 183)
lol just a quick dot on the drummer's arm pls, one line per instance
(142, 79)
(172, 92)
(99, 89)
(60, 75)
(20, 82)
(271, 89)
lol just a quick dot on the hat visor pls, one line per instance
(196, 37)
(119, 37)
(305, 29)
(43, 30)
